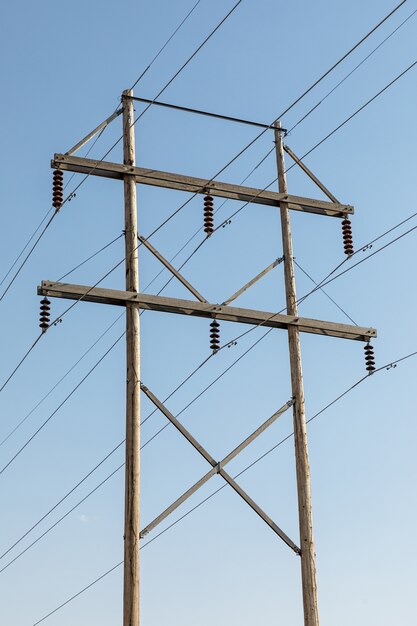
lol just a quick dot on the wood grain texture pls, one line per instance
(204, 309)
(132, 472)
(308, 557)
(199, 185)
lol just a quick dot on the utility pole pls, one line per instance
(308, 558)
(134, 301)
(132, 476)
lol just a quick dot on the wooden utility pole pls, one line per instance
(308, 560)
(134, 301)
(132, 484)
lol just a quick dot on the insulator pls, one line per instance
(57, 189)
(208, 215)
(347, 236)
(369, 358)
(44, 317)
(214, 336)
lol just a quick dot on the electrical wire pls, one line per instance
(42, 233)
(91, 257)
(186, 407)
(284, 112)
(228, 220)
(339, 397)
(329, 93)
(72, 194)
(58, 521)
(379, 92)
(148, 67)
(23, 420)
(240, 153)
(60, 405)
(325, 292)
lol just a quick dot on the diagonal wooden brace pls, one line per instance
(254, 280)
(218, 469)
(171, 268)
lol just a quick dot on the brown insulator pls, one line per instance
(214, 336)
(369, 358)
(347, 236)
(44, 317)
(57, 189)
(208, 215)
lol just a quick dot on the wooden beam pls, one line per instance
(198, 185)
(214, 470)
(310, 174)
(253, 280)
(204, 309)
(219, 470)
(94, 132)
(131, 597)
(308, 557)
(172, 269)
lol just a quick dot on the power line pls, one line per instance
(262, 132)
(62, 403)
(23, 420)
(325, 292)
(300, 300)
(351, 267)
(72, 194)
(22, 360)
(185, 408)
(42, 233)
(91, 257)
(162, 48)
(359, 110)
(394, 81)
(304, 117)
(232, 342)
(58, 521)
(339, 397)
(167, 84)
(259, 135)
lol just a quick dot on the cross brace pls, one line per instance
(204, 309)
(219, 469)
(215, 469)
(198, 185)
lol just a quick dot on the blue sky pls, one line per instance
(65, 68)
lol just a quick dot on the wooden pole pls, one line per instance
(132, 485)
(308, 565)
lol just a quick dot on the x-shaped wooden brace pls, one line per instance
(218, 468)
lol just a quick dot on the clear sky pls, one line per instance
(65, 66)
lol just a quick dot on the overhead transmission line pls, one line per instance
(319, 143)
(315, 416)
(288, 108)
(284, 112)
(72, 193)
(228, 220)
(368, 56)
(162, 48)
(249, 144)
(186, 407)
(87, 175)
(307, 91)
(318, 286)
(38, 404)
(60, 405)
(291, 130)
